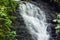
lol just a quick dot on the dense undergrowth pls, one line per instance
(7, 16)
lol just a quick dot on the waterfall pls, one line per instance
(35, 20)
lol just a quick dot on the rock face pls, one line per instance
(22, 32)
(50, 15)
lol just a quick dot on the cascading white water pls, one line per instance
(35, 20)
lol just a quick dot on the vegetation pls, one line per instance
(7, 16)
(58, 21)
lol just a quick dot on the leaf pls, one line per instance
(58, 15)
(58, 21)
(55, 20)
(4, 14)
(57, 27)
(8, 22)
(0, 25)
(57, 31)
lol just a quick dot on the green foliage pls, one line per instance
(7, 16)
(58, 21)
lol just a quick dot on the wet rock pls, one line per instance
(22, 32)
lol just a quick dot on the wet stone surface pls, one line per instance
(23, 33)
